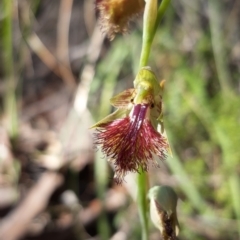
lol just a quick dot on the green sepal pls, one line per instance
(161, 129)
(119, 113)
(123, 99)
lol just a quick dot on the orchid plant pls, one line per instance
(133, 136)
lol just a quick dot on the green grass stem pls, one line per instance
(10, 102)
(218, 46)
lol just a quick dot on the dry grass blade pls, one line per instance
(49, 59)
(88, 72)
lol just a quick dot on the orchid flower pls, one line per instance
(133, 135)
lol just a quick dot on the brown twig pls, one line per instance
(16, 223)
(94, 49)
(62, 50)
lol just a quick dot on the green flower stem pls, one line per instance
(151, 19)
(150, 25)
(142, 182)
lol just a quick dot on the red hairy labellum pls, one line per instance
(131, 142)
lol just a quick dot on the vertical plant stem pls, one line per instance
(142, 202)
(149, 22)
(150, 25)
(101, 176)
(151, 19)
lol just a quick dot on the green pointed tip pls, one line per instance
(119, 113)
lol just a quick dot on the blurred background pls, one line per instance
(57, 73)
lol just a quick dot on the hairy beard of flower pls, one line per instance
(115, 14)
(131, 142)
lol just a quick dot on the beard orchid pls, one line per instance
(133, 135)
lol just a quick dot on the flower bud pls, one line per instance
(115, 14)
(163, 204)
